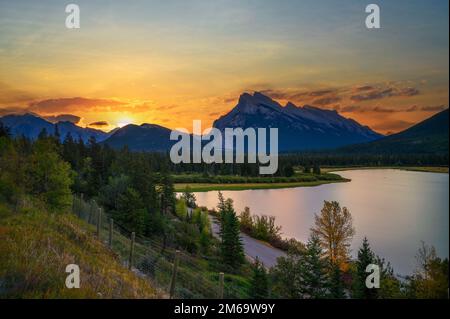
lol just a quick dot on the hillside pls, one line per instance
(427, 137)
(35, 248)
(145, 137)
(30, 125)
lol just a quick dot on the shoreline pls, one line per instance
(424, 169)
(206, 187)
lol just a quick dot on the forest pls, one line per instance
(137, 191)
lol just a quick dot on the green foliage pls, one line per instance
(336, 285)
(365, 257)
(430, 280)
(130, 211)
(189, 198)
(231, 248)
(313, 278)
(259, 286)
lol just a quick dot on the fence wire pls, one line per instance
(154, 260)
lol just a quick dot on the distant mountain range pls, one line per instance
(427, 137)
(30, 125)
(300, 129)
(145, 137)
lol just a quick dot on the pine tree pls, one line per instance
(259, 287)
(365, 257)
(231, 246)
(336, 288)
(313, 277)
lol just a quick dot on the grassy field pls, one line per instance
(205, 187)
(35, 248)
(428, 169)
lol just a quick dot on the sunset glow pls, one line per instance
(169, 64)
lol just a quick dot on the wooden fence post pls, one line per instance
(174, 274)
(111, 229)
(221, 277)
(99, 222)
(91, 211)
(130, 261)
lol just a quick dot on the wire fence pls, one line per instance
(173, 273)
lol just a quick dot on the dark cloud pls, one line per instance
(295, 96)
(350, 108)
(320, 93)
(380, 93)
(99, 123)
(364, 88)
(379, 109)
(327, 100)
(63, 118)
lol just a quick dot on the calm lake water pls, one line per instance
(395, 209)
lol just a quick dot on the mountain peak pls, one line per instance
(306, 127)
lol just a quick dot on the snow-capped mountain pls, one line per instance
(30, 125)
(299, 128)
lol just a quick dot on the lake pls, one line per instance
(394, 209)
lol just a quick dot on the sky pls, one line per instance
(169, 62)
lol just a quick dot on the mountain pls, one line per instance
(145, 137)
(299, 128)
(427, 137)
(30, 125)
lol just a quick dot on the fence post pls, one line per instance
(221, 276)
(91, 210)
(130, 261)
(111, 229)
(99, 222)
(174, 274)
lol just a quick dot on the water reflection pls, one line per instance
(394, 209)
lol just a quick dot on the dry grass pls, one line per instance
(35, 248)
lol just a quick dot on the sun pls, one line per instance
(124, 122)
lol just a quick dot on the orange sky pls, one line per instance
(169, 64)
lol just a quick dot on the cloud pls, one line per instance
(380, 93)
(364, 88)
(71, 104)
(99, 124)
(63, 118)
(436, 108)
(327, 100)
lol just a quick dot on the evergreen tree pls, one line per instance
(168, 200)
(316, 169)
(365, 257)
(313, 280)
(336, 283)
(4, 131)
(259, 287)
(189, 198)
(231, 248)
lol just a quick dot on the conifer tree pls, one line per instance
(231, 246)
(365, 257)
(313, 276)
(259, 287)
